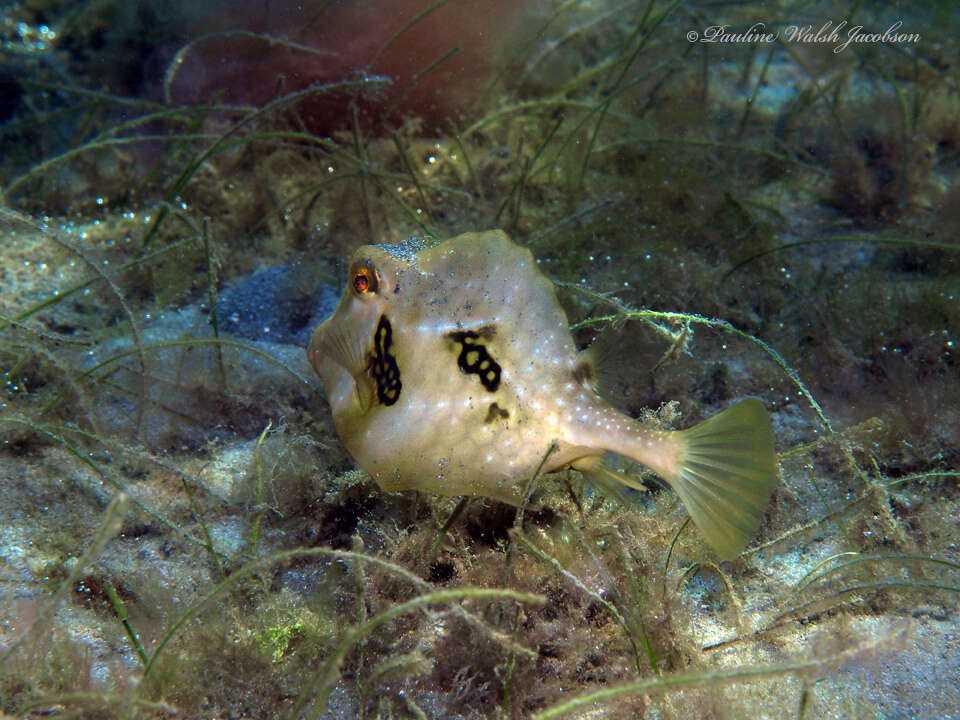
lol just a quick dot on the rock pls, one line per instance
(276, 304)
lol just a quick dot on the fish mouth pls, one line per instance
(336, 342)
(340, 357)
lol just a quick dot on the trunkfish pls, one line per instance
(449, 367)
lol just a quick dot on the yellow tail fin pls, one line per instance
(727, 471)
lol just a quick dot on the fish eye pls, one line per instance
(363, 279)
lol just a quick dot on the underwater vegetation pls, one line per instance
(183, 533)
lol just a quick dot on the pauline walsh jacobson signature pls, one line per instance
(840, 34)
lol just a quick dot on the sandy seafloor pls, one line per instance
(795, 207)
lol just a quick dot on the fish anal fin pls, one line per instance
(606, 478)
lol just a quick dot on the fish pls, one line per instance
(449, 367)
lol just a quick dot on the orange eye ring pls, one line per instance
(361, 282)
(364, 279)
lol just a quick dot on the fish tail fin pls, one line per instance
(725, 472)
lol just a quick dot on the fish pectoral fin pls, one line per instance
(364, 391)
(726, 471)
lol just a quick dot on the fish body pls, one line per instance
(450, 368)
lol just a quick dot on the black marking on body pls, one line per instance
(474, 358)
(383, 366)
(495, 412)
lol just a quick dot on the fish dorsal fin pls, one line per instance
(585, 370)
(614, 367)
